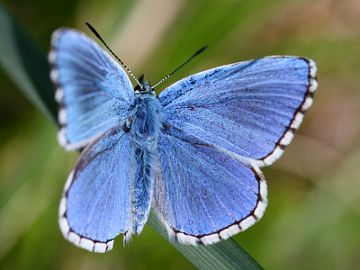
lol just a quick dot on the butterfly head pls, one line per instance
(144, 86)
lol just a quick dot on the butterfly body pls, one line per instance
(193, 154)
(143, 128)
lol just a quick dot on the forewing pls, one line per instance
(96, 204)
(251, 109)
(93, 91)
(203, 195)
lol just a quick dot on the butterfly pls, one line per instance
(193, 154)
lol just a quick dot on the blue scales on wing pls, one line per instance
(220, 126)
(203, 195)
(93, 91)
(251, 109)
(96, 204)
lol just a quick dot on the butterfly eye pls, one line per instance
(125, 128)
(165, 126)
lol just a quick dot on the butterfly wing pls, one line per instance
(96, 203)
(203, 195)
(250, 109)
(93, 91)
(220, 126)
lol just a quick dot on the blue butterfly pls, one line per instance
(192, 154)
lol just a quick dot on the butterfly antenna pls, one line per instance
(182, 65)
(117, 58)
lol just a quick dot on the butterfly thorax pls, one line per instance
(144, 121)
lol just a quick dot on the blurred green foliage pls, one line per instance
(313, 217)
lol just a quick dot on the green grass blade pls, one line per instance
(26, 64)
(224, 255)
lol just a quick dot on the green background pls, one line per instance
(313, 217)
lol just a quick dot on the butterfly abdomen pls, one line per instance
(144, 130)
